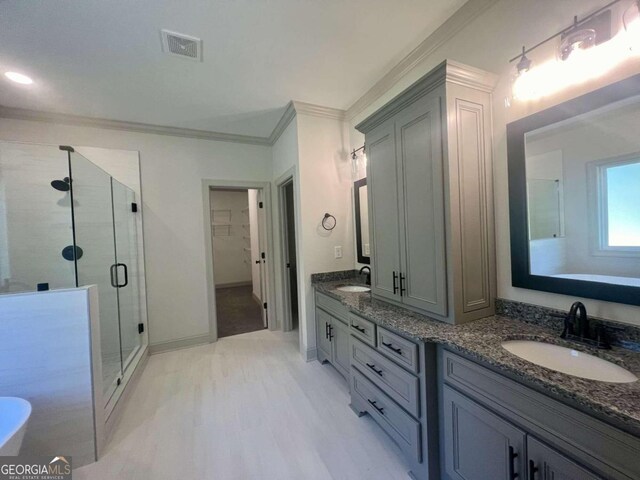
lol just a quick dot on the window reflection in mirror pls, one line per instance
(583, 196)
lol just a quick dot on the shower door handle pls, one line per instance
(126, 274)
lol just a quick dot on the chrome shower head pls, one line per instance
(63, 185)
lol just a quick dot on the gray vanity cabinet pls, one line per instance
(492, 427)
(341, 358)
(479, 445)
(323, 324)
(333, 335)
(419, 161)
(430, 195)
(384, 217)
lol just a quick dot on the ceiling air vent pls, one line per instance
(181, 45)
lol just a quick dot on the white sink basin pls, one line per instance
(354, 288)
(569, 361)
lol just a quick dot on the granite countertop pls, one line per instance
(617, 403)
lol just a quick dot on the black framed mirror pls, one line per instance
(361, 202)
(574, 196)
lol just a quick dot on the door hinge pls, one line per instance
(260, 205)
(140, 327)
(134, 207)
(264, 305)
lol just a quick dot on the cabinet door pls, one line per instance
(382, 184)
(422, 235)
(323, 322)
(479, 445)
(340, 347)
(546, 463)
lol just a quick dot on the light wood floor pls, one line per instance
(246, 407)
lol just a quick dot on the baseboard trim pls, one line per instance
(179, 344)
(234, 284)
(310, 354)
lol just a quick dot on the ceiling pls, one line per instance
(104, 59)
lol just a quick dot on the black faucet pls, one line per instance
(577, 327)
(576, 322)
(368, 280)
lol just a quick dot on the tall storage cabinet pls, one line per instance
(430, 189)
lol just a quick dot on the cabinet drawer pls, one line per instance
(398, 424)
(363, 329)
(400, 385)
(332, 306)
(403, 351)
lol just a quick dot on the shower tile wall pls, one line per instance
(35, 219)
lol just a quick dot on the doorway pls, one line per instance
(238, 231)
(289, 254)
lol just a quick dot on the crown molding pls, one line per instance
(288, 115)
(447, 72)
(460, 19)
(318, 110)
(467, 76)
(67, 119)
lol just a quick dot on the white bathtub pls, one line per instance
(14, 415)
(629, 281)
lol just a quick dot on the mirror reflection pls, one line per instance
(361, 201)
(583, 196)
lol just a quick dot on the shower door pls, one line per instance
(105, 237)
(95, 254)
(126, 271)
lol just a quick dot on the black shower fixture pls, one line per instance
(63, 185)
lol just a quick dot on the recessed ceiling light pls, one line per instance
(18, 78)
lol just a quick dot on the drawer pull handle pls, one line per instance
(379, 409)
(532, 470)
(402, 289)
(326, 329)
(359, 328)
(512, 456)
(373, 367)
(330, 332)
(391, 347)
(395, 283)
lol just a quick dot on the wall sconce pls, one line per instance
(358, 161)
(587, 51)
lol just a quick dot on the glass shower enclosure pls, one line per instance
(65, 222)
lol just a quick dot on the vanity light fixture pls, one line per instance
(575, 40)
(631, 22)
(18, 78)
(583, 54)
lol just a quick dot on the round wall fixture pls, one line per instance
(329, 222)
(70, 253)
